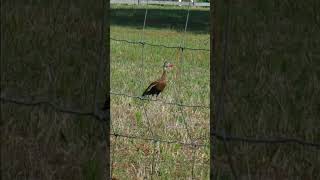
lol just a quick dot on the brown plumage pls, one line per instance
(156, 87)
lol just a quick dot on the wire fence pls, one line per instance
(190, 142)
(161, 2)
(101, 115)
(219, 102)
(159, 45)
(220, 136)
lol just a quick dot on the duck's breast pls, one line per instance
(161, 85)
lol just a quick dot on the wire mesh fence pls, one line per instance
(155, 137)
(220, 134)
(162, 2)
(99, 115)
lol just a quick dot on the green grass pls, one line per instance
(272, 89)
(188, 83)
(161, 17)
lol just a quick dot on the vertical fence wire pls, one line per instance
(143, 57)
(143, 45)
(178, 95)
(154, 142)
(181, 58)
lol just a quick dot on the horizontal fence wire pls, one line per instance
(264, 140)
(159, 140)
(221, 136)
(55, 107)
(164, 102)
(259, 140)
(159, 45)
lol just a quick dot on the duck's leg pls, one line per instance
(157, 96)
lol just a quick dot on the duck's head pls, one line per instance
(167, 66)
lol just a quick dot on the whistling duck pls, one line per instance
(156, 87)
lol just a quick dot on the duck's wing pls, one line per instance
(148, 90)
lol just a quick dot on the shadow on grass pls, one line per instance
(162, 18)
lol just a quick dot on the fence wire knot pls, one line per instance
(142, 43)
(181, 48)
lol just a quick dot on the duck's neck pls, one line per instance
(164, 75)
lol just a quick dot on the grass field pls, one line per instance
(188, 84)
(272, 91)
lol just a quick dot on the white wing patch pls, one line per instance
(151, 86)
